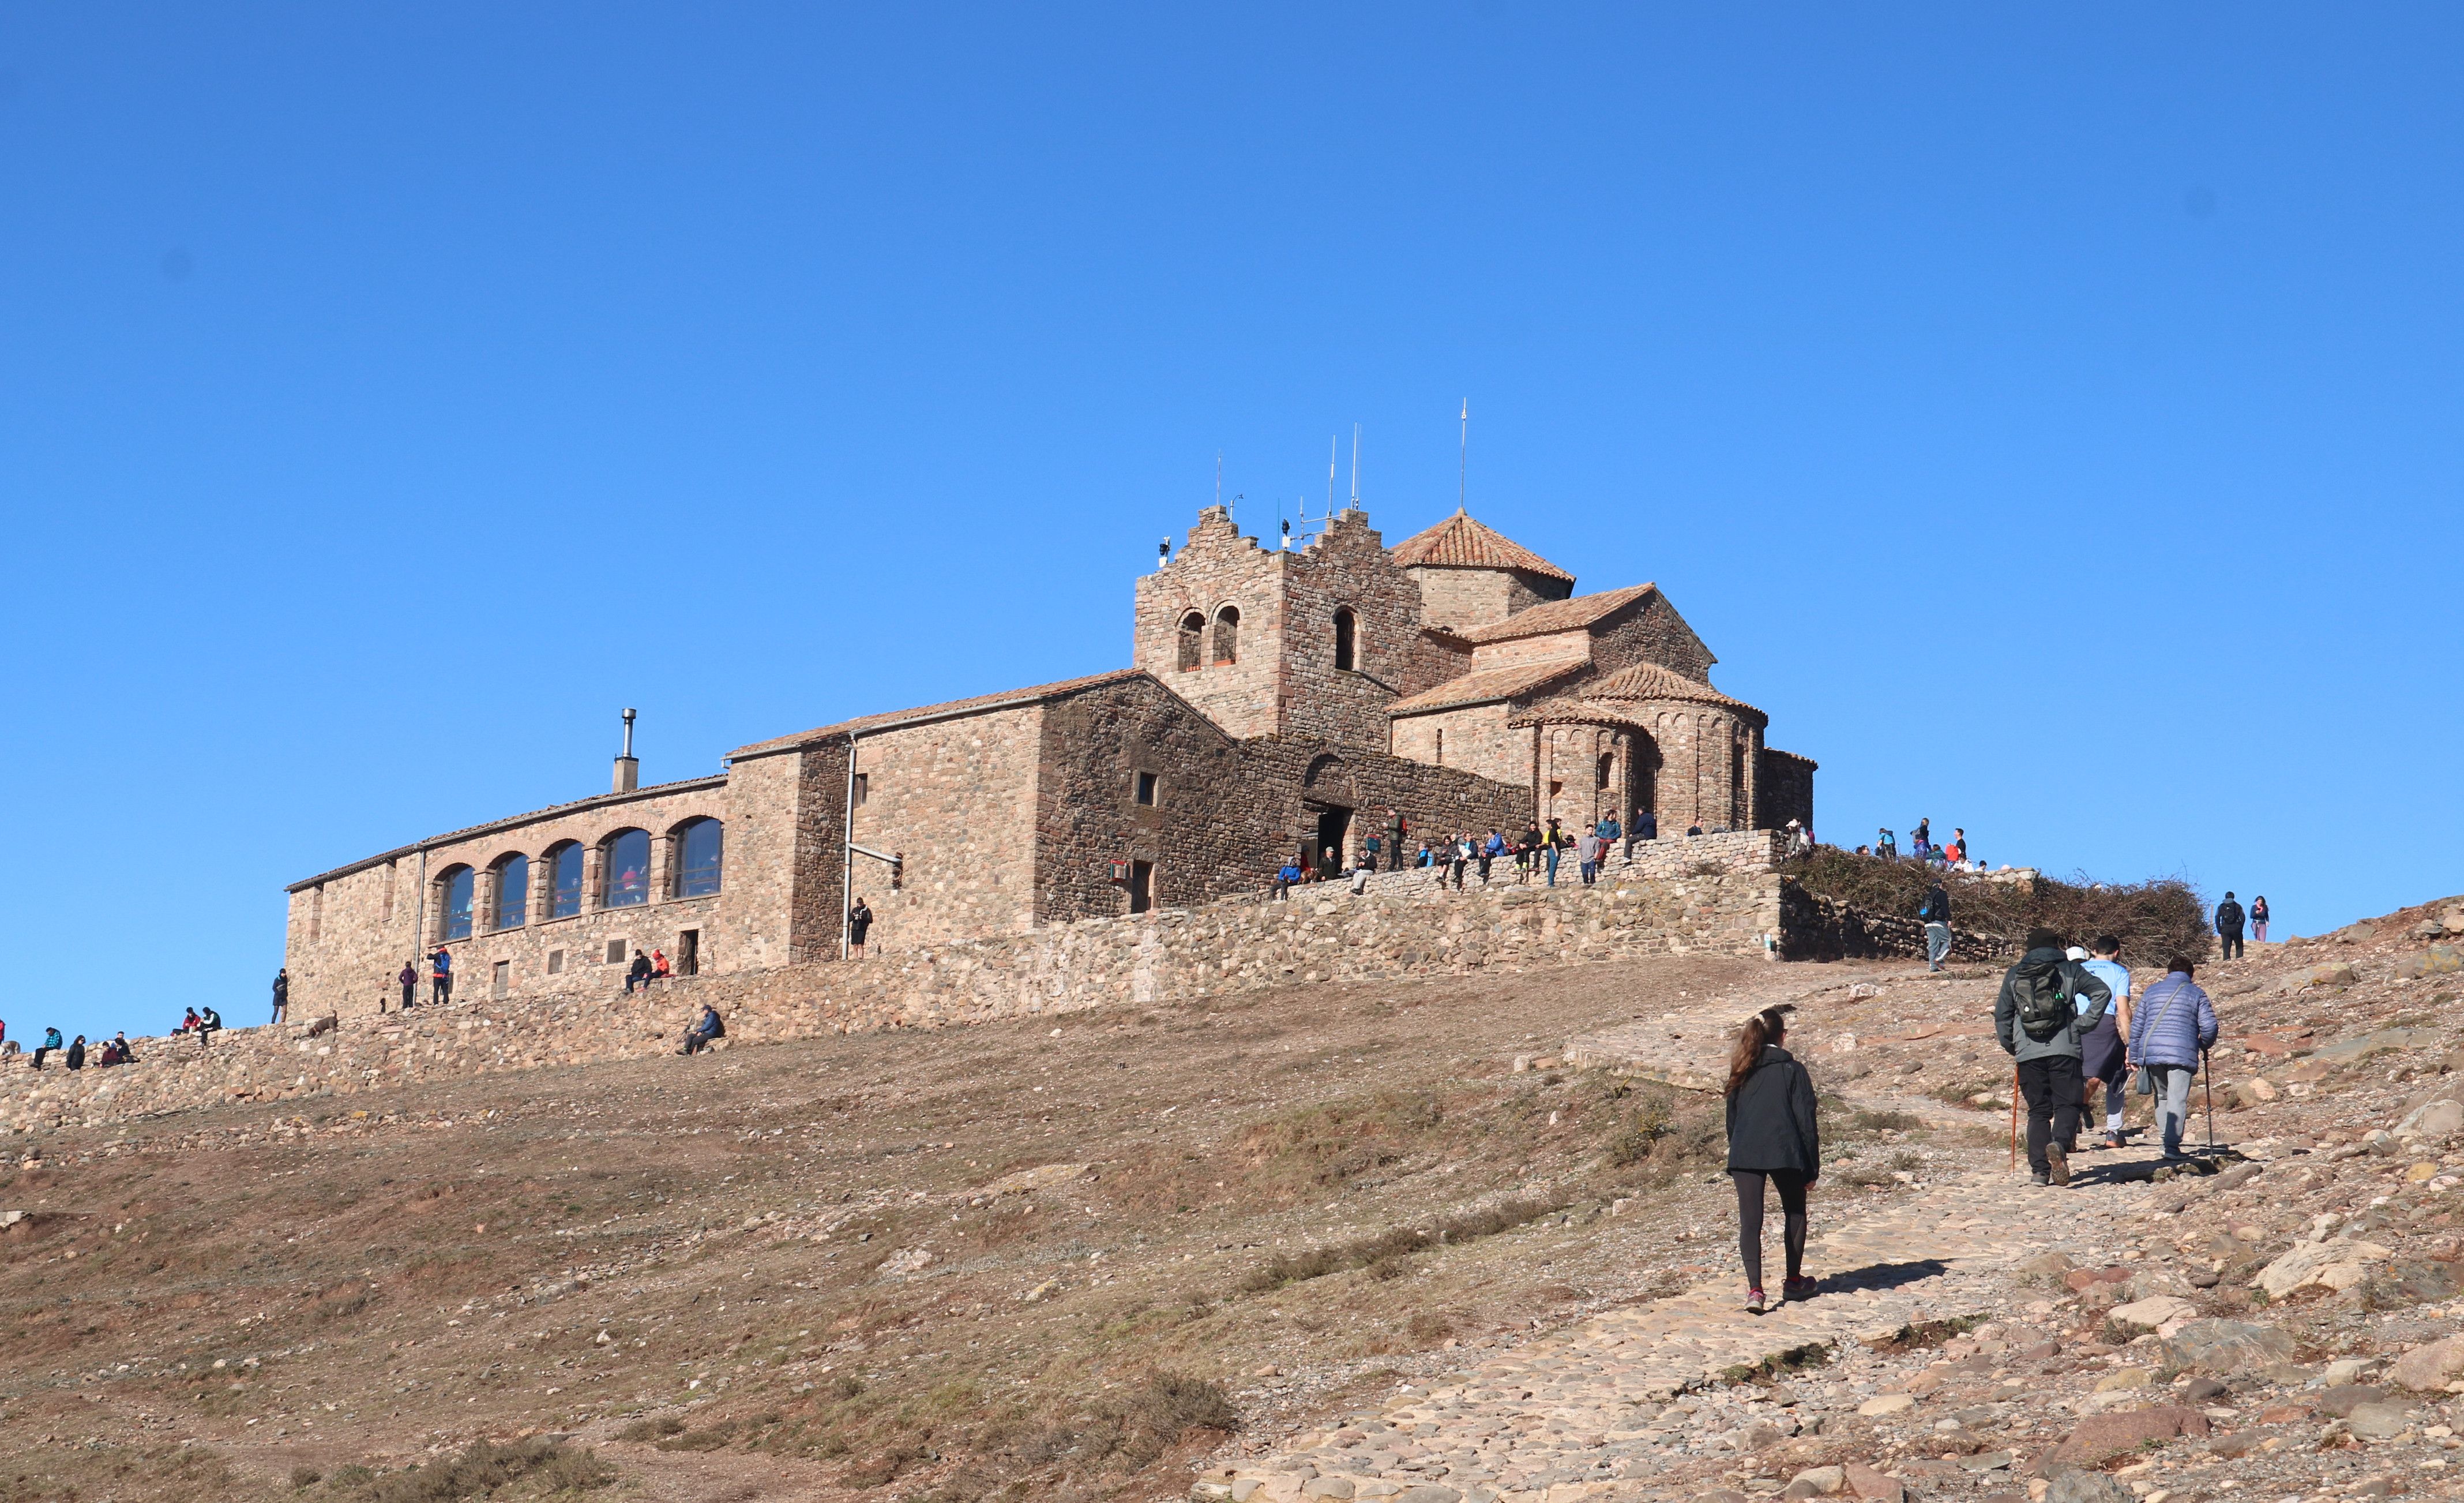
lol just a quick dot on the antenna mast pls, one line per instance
(1462, 463)
(1355, 468)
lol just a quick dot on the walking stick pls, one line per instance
(2015, 1117)
(2207, 1083)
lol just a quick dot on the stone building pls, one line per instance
(1283, 704)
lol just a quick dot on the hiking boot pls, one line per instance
(2059, 1163)
(1753, 1301)
(2042, 1179)
(2113, 1140)
(1799, 1288)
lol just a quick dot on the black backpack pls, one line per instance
(2044, 1004)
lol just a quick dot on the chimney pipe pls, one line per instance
(628, 769)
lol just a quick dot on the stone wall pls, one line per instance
(958, 797)
(1202, 837)
(1460, 597)
(350, 931)
(1652, 634)
(1218, 566)
(1404, 927)
(1347, 568)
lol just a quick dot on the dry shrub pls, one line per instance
(533, 1468)
(665, 1426)
(2153, 919)
(1384, 1253)
(1328, 1145)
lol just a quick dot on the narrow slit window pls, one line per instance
(1146, 788)
(1345, 640)
(1192, 641)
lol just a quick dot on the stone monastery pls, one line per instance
(1283, 704)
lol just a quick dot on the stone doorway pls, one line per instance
(1333, 824)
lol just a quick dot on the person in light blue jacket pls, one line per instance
(2171, 1027)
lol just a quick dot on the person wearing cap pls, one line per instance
(1773, 1139)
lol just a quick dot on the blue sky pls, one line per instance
(2048, 414)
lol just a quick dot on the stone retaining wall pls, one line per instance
(1404, 926)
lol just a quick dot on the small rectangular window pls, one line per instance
(500, 981)
(863, 788)
(556, 963)
(1146, 788)
(615, 951)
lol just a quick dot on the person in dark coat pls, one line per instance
(410, 978)
(1773, 1136)
(640, 973)
(77, 1053)
(2229, 920)
(860, 916)
(281, 993)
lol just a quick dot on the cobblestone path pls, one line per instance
(1580, 1411)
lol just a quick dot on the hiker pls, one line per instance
(77, 1053)
(697, 1037)
(1772, 1136)
(1886, 843)
(638, 974)
(1372, 847)
(2104, 1053)
(859, 921)
(208, 1025)
(1360, 876)
(1423, 859)
(191, 1023)
(51, 1045)
(658, 964)
(1281, 892)
(1552, 845)
(127, 1053)
(1645, 826)
(282, 994)
(2038, 1019)
(1490, 850)
(2259, 919)
(1458, 855)
(1397, 828)
(2175, 1025)
(440, 976)
(1610, 833)
(1921, 838)
(1587, 856)
(2228, 918)
(1956, 853)
(1935, 915)
(1694, 829)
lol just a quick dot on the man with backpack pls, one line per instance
(2048, 1001)
(2229, 923)
(1935, 914)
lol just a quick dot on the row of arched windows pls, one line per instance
(1228, 639)
(624, 879)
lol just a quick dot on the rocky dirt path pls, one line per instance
(1581, 1410)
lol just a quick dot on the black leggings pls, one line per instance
(1791, 1186)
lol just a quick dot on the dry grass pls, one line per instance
(528, 1469)
(2153, 919)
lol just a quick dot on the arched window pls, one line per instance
(513, 892)
(1608, 769)
(455, 885)
(1227, 634)
(700, 845)
(624, 867)
(565, 869)
(1193, 640)
(1343, 639)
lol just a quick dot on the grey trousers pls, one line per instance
(1937, 945)
(2172, 1102)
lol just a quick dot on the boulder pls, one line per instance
(2342, 1398)
(2149, 1315)
(2099, 1438)
(1886, 1403)
(2336, 1263)
(2379, 1421)
(2335, 973)
(2413, 1281)
(2075, 1485)
(2425, 1368)
(1822, 1481)
(1873, 1486)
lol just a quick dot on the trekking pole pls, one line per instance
(2207, 1083)
(2015, 1117)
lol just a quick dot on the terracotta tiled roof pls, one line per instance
(1486, 684)
(1557, 616)
(1653, 682)
(989, 701)
(1460, 542)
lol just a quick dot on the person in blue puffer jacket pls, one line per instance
(2173, 1026)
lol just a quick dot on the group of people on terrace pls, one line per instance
(1536, 854)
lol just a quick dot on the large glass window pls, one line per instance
(699, 847)
(564, 864)
(512, 892)
(628, 870)
(457, 885)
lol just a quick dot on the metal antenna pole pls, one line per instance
(1355, 467)
(1332, 446)
(1462, 462)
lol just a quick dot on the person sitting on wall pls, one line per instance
(208, 1025)
(109, 1054)
(76, 1052)
(51, 1045)
(127, 1054)
(1290, 873)
(698, 1037)
(191, 1023)
(640, 974)
(1694, 829)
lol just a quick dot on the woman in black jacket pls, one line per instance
(1771, 1136)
